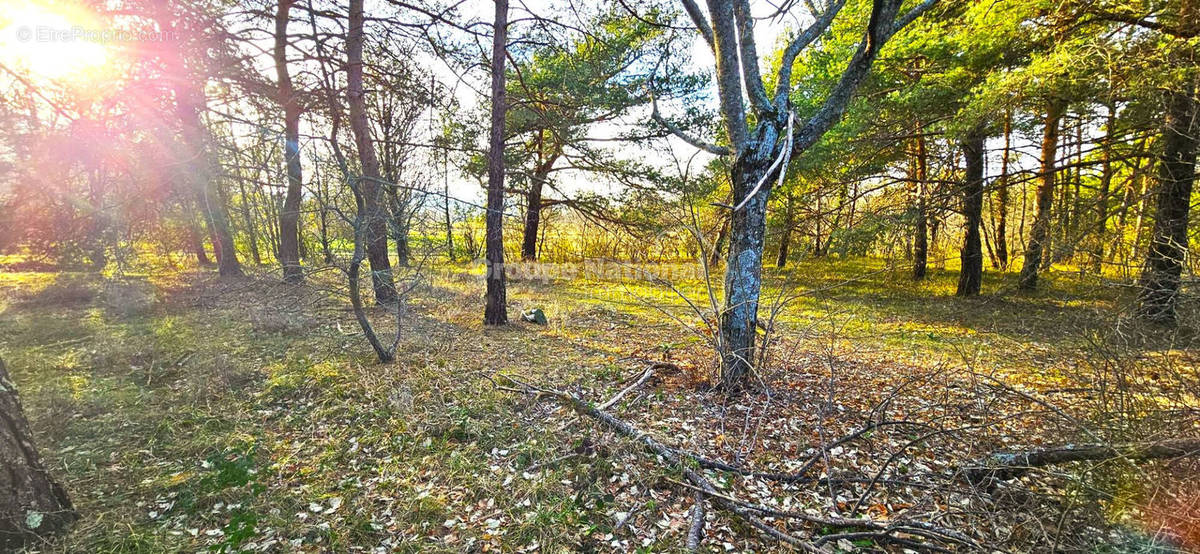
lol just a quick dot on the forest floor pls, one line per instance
(184, 413)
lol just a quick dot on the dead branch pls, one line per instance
(750, 513)
(646, 375)
(1002, 466)
(696, 530)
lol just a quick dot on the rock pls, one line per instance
(535, 316)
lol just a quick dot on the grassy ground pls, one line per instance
(185, 414)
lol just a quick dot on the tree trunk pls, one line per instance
(1005, 465)
(785, 237)
(189, 103)
(33, 504)
(322, 198)
(533, 216)
(1040, 234)
(446, 205)
(370, 184)
(1001, 238)
(496, 309)
(195, 239)
(202, 173)
(743, 271)
(1160, 277)
(248, 221)
(971, 276)
(400, 225)
(289, 216)
(920, 238)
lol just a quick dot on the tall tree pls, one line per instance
(1039, 235)
(496, 309)
(919, 186)
(1002, 196)
(203, 172)
(970, 277)
(762, 139)
(1160, 278)
(289, 216)
(371, 185)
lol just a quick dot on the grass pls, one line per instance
(186, 414)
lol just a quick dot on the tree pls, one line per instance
(970, 277)
(203, 172)
(1002, 196)
(496, 310)
(1161, 272)
(562, 89)
(33, 504)
(1040, 233)
(371, 184)
(289, 216)
(760, 149)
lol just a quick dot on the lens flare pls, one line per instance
(54, 41)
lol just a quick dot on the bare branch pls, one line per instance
(749, 55)
(729, 78)
(702, 26)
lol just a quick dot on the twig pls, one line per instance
(646, 375)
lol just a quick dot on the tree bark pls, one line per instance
(370, 184)
(1040, 234)
(496, 308)
(920, 239)
(1001, 238)
(33, 504)
(743, 272)
(289, 216)
(970, 277)
(1161, 272)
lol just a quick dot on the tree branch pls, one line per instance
(729, 78)
(702, 26)
(749, 58)
(799, 43)
(694, 141)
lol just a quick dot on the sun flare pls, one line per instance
(54, 41)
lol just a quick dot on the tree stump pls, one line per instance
(32, 504)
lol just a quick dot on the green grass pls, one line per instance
(225, 417)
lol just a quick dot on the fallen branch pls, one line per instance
(750, 513)
(669, 454)
(696, 530)
(646, 375)
(1003, 466)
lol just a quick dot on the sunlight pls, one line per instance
(51, 41)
